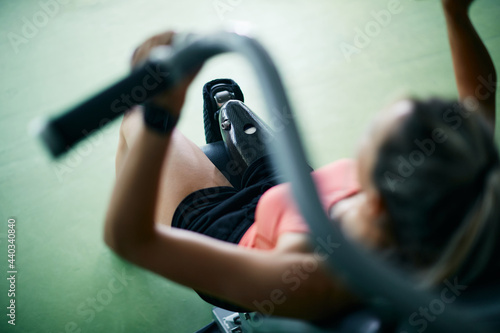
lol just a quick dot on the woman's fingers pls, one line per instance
(143, 50)
(173, 98)
(457, 5)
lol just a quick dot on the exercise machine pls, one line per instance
(389, 294)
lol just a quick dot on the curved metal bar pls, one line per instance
(355, 265)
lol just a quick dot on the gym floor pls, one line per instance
(341, 61)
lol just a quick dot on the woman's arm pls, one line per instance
(474, 69)
(130, 216)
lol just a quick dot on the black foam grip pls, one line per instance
(66, 130)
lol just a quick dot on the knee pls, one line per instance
(128, 131)
(130, 126)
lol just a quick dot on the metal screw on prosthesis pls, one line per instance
(226, 125)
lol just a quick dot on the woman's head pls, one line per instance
(424, 166)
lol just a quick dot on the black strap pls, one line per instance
(158, 119)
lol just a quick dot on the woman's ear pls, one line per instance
(375, 207)
(379, 234)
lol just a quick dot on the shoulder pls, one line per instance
(292, 242)
(338, 169)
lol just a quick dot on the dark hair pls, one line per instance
(432, 173)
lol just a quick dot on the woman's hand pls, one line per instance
(459, 6)
(472, 62)
(173, 98)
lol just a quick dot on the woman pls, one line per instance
(405, 196)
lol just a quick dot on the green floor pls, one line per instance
(67, 280)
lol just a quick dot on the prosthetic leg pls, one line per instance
(236, 137)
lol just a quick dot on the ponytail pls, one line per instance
(472, 247)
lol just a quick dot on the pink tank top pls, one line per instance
(277, 214)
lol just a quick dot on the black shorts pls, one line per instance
(225, 213)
